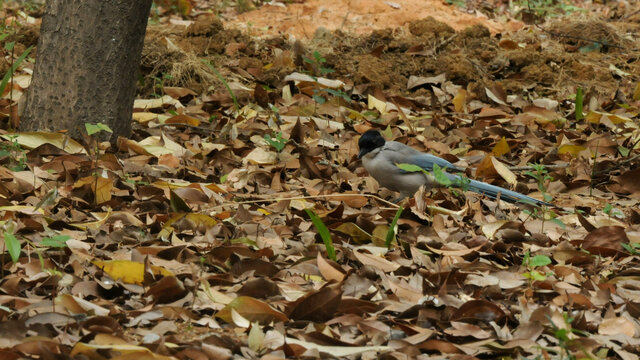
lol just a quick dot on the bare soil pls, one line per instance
(550, 60)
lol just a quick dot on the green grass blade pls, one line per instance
(7, 76)
(324, 234)
(392, 232)
(224, 81)
(13, 246)
(579, 104)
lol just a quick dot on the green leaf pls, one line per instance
(319, 59)
(324, 70)
(540, 260)
(245, 241)
(526, 258)
(392, 228)
(535, 275)
(13, 246)
(58, 241)
(96, 128)
(410, 167)
(386, 133)
(324, 234)
(319, 99)
(629, 249)
(595, 46)
(441, 176)
(278, 142)
(224, 82)
(579, 104)
(558, 222)
(624, 151)
(339, 93)
(7, 76)
(462, 182)
(607, 209)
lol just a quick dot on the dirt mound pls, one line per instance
(586, 33)
(301, 20)
(551, 62)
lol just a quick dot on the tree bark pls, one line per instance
(86, 63)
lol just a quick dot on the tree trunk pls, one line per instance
(85, 72)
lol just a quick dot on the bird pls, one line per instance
(381, 158)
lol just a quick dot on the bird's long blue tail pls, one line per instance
(492, 191)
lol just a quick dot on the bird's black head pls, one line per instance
(369, 141)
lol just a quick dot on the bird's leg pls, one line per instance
(397, 201)
(402, 197)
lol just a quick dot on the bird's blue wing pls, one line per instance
(426, 162)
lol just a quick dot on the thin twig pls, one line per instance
(616, 166)
(194, 127)
(603, 43)
(305, 197)
(630, 14)
(525, 168)
(445, 42)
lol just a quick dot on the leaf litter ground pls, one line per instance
(200, 247)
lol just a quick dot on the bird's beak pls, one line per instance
(362, 153)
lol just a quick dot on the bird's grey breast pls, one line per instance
(381, 165)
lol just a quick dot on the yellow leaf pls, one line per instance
(379, 236)
(503, 171)
(328, 271)
(374, 103)
(100, 186)
(636, 92)
(485, 168)
(255, 340)
(593, 117)
(216, 188)
(25, 209)
(618, 119)
(32, 140)
(160, 145)
(144, 117)
(146, 104)
(94, 225)
(376, 261)
(357, 234)
(93, 351)
(490, 229)
(129, 272)
(259, 156)
(197, 221)
(460, 100)
(570, 149)
(185, 6)
(251, 309)
(501, 147)
(183, 119)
